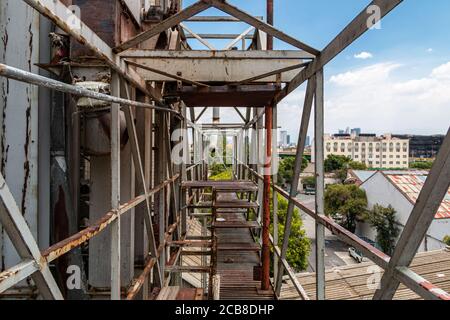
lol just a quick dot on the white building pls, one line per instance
(376, 152)
(400, 189)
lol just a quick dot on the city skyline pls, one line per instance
(399, 72)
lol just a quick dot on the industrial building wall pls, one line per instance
(19, 47)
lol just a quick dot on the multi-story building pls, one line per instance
(283, 139)
(376, 152)
(424, 147)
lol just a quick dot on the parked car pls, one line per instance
(310, 191)
(355, 254)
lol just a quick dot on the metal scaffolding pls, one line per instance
(125, 96)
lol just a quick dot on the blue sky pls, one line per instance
(406, 62)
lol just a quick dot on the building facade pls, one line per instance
(423, 147)
(400, 189)
(376, 152)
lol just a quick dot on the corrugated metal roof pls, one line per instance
(363, 175)
(410, 184)
(351, 282)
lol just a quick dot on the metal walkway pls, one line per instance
(236, 265)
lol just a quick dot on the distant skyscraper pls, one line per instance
(356, 131)
(283, 138)
(308, 141)
(288, 140)
(341, 131)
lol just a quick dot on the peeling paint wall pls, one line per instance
(19, 47)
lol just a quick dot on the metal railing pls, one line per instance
(406, 276)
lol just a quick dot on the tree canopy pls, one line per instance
(299, 245)
(286, 170)
(384, 221)
(447, 240)
(422, 165)
(345, 203)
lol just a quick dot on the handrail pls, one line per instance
(59, 249)
(410, 279)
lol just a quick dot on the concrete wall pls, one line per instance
(19, 47)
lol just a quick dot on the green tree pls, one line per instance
(356, 165)
(224, 175)
(422, 165)
(334, 162)
(447, 240)
(384, 221)
(345, 204)
(286, 169)
(299, 245)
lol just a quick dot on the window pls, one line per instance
(356, 156)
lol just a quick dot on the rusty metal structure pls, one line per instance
(90, 107)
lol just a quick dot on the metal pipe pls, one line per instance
(28, 77)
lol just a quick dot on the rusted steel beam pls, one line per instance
(301, 291)
(62, 247)
(272, 73)
(190, 244)
(139, 282)
(165, 25)
(14, 275)
(188, 269)
(13, 222)
(265, 256)
(59, 14)
(404, 275)
(41, 81)
(261, 25)
(269, 5)
(175, 77)
(306, 114)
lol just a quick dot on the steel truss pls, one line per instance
(126, 79)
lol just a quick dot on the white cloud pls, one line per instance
(430, 50)
(374, 99)
(363, 55)
(441, 72)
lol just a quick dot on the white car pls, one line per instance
(355, 254)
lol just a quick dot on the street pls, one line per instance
(336, 252)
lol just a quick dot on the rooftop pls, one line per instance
(410, 183)
(350, 282)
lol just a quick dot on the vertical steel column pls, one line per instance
(267, 173)
(275, 194)
(320, 185)
(270, 21)
(306, 114)
(265, 283)
(115, 189)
